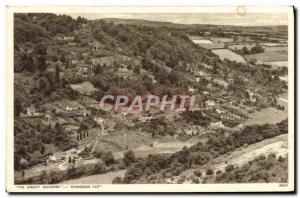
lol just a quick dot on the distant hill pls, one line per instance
(147, 23)
(280, 30)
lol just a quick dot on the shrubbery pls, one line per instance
(209, 172)
(262, 169)
(55, 177)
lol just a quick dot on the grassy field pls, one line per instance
(142, 143)
(212, 45)
(283, 100)
(278, 64)
(272, 44)
(228, 54)
(221, 40)
(275, 48)
(160, 148)
(118, 141)
(267, 57)
(241, 46)
(267, 116)
(202, 41)
(129, 139)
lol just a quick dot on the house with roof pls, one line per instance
(57, 157)
(216, 125)
(221, 83)
(209, 103)
(30, 110)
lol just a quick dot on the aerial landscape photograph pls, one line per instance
(150, 98)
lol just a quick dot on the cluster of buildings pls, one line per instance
(72, 157)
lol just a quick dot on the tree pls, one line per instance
(209, 172)
(129, 157)
(83, 127)
(174, 76)
(62, 57)
(257, 49)
(229, 168)
(81, 20)
(161, 75)
(146, 63)
(39, 60)
(57, 74)
(99, 35)
(17, 107)
(17, 159)
(42, 151)
(245, 50)
(117, 180)
(197, 173)
(136, 70)
(253, 61)
(108, 158)
(229, 140)
(99, 168)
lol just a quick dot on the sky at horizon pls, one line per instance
(249, 19)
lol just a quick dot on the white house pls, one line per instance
(219, 111)
(31, 110)
(216, 125)
(210, 103)
(71, 108)
(98, 120)
(192, 89)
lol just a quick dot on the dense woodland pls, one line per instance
(36, 51)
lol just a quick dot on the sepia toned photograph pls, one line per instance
(150, 99)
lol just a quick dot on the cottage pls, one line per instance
(216, 125)
(252, 97)
(99, 120)
(205, 92)
(71, 108)
(65, 38)
(191, 131)
(192, 89)
(86, 112)
(95, 45)
(219, 111)
(31, 110)
(84, 88)
(209, 86)
(221, 83)
(74, 61)
(48, 117)
(57, 157)
(72, 44)
(209, 103)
